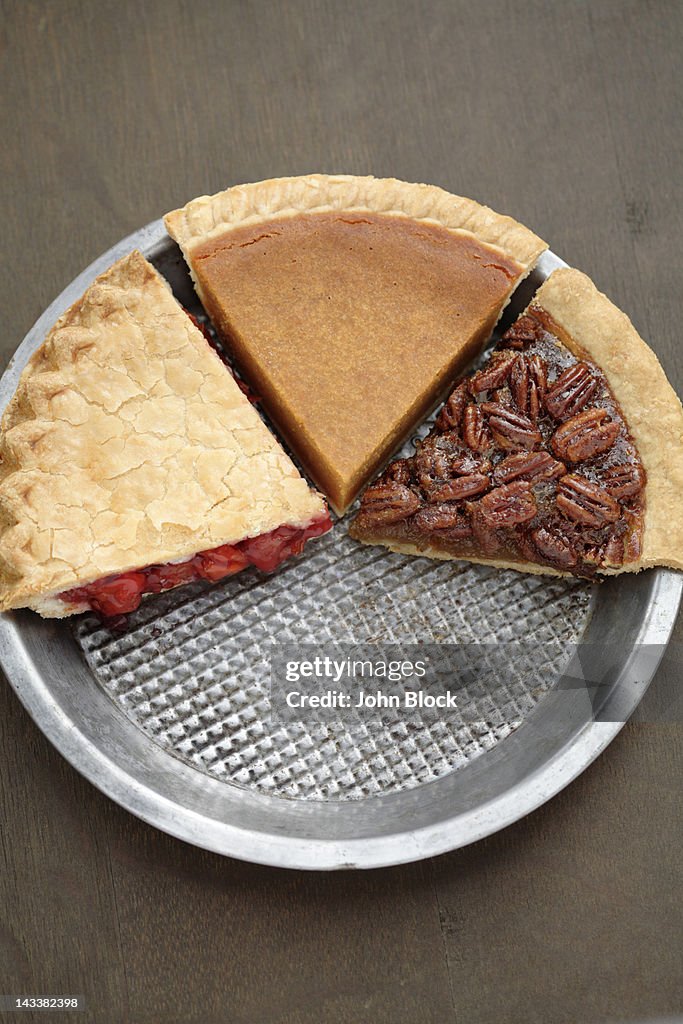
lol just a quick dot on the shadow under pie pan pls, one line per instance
(171, 718)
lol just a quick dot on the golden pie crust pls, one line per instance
(208, 217)
(595, 328)
(128, 443)
(350, 304)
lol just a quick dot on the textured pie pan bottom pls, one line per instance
(192, 670)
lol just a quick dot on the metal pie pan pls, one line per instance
(169, 725)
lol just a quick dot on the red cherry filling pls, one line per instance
(116, 595)
(267, 551)
(220, 562)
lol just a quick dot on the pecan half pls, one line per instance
(572, 390)
(613, 552)
(389, 502)
(524, 330)
(624, 481)
(399, 472)
(584, 502)
(474, 431)
(511, 430)
(443, 517)
(493, 374)
(486, 538)
(555, 549)
(531, 466)
(589, 433)
(528, 383)
(507, 505)
(432, 465)
(460, 488)
(450, 416)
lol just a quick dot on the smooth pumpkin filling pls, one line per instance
(349, 326)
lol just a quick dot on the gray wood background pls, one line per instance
(565, 115)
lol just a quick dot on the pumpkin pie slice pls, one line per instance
(131, 462)
(350, 304)
(563, 454)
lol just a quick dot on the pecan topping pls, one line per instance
(474, 431)
(501, 395)
(436, 462)
(468, 462)
(443, 517)
(507, 505)
(585, 435)
(571, 391)
(524, 330)
(450, 416)
(511, 430)
(528, 385)
(446, 440)
(624, 481)
(532, 466)
(461, 487)
(613, 551)
(389, 503)
(493, 374)
(554, 548)
(399, 471)
(432, 466)
(485, 538)
(584, 502)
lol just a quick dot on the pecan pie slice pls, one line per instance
(562, 455)
(326, 288)
(131, 461)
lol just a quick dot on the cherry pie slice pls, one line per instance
(131, 462)
(563, 454)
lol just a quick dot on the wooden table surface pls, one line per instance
(566, 116)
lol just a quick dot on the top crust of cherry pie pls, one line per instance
(128, 443)
(563, 454)
(350, 304)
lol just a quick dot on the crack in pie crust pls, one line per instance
(129, 445)
(350, 304)
(563, 454)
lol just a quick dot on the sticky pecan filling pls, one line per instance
(117, 595)
(530, 460)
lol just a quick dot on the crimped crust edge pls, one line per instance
(207, 217)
